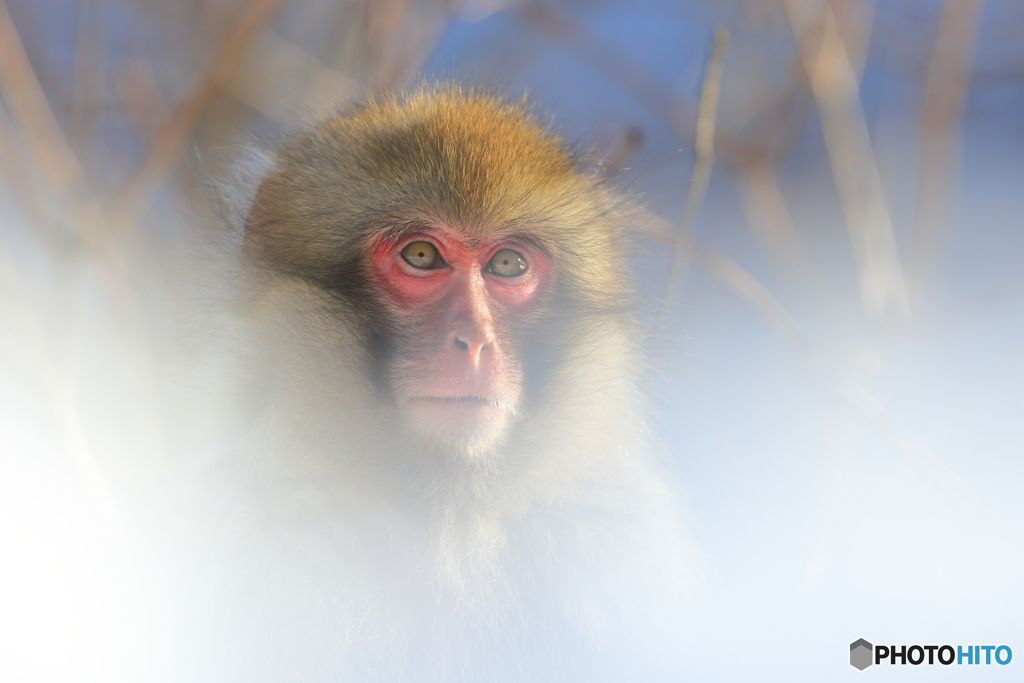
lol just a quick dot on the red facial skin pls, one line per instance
(459, 384)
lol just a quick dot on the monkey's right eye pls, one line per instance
(422, 255)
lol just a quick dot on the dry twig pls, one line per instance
(729, 274)
(945, 90)
(834, 84)
(704, 144)
(175, 131)
(561, 28)
(31, 112)
(769, 219)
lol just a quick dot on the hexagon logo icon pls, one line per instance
(861, 654)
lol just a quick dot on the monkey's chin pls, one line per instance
(468, 426)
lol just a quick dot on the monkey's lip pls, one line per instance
(469, 408)
(469, 420)
(459, 400)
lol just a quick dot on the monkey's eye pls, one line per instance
(507, 263)
(421, 255)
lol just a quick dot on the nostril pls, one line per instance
(461, 345)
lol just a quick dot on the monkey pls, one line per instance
(441, 467)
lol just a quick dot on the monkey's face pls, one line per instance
(455, 373)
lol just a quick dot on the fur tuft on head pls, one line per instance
(442, 153)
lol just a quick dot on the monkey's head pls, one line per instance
(465, 245)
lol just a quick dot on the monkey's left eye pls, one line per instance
(421, 255)
(507, 263)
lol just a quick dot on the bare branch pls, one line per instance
(175, 131)
(31, 112)
(769, 217)
(87, 87)
(730, 274)
(704, 144)
(834, 85)
(562, 28)
(939, 136)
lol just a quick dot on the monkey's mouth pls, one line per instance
(459, 421)
(469, 402)
(458, 400)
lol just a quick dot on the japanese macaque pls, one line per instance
(446, 472)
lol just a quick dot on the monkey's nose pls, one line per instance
(471, 343)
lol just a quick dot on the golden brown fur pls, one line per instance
(441, 154)
(338, 547)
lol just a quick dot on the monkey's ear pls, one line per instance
(274, 237)
(609, 148)
(264, 211)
